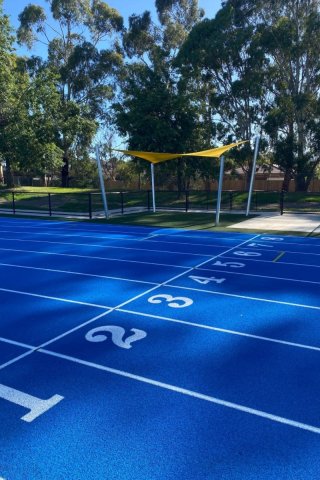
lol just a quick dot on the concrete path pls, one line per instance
(293, 222)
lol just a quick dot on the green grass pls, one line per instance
(193, 221)
(77, 200)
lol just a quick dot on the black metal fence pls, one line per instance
(90, 204)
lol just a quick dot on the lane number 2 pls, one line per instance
(117, 335)
(173, 302)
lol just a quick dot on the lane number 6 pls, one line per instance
(173, 302)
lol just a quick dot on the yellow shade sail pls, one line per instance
(214, 152)
(152, 157)
(155, 157)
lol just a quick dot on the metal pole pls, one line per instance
(103, 192)
(253, 173)
(153, 191)
(219, 190)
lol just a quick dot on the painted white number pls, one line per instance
(117, 334)
(247, 254)
(206, 280)
(229, 264)
(272, 239)
(259, 245)
(37, 406)
(172, 301)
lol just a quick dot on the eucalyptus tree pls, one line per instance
(221, 59)
(156, 111)
(288, 32)
(7, 84)
(290, 35)
(75, 41)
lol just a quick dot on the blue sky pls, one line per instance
(125, 7)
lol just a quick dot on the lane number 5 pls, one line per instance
(173, 302)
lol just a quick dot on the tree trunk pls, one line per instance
(302, 183)
(9, 175)
(286, 180)
(65, 171)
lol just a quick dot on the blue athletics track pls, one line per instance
(132, 353)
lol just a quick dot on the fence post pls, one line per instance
(256, 200)
(121, 196)
(281, 202)
(49, 201)
(13, 203)
(187, 200)
(90, 204)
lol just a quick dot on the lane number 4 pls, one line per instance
(206, 280)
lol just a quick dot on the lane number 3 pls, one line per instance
(173, 302)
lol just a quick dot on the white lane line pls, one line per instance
(91, 257)
(107, 246)
(279, 263)
(68, 272)
(16, 359)
(130, 300)
(126, 302)
(190, 393)
(222, 330)
(35, 348)
(53, 228)
(259, 276)
(74, 329)
(245, 296)
(110, 309)
(264, 250)
(16, 344)
(48, 297)
(105, 237)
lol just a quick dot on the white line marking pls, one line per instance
(91, 257)
(105, 237)
(286, 251)
(68, 272)
(109, 246)
(16, 359)
(53, 298)
(16, 344)
(245, 296)
(232, 272)
(111, 309)
(74, 329)
(222, 330)
(190, 393)
(279, 263)
(34, 348)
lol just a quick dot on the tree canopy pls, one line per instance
(174, 81)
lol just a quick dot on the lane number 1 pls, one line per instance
(37, 406)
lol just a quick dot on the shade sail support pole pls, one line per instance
(219, 190)
(153, 190)
(103, 192)
(253, 173)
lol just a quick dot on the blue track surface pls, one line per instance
(134, 353)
